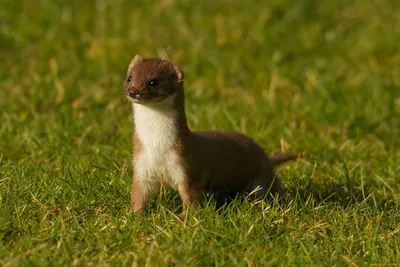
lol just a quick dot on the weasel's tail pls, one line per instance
(281, 157)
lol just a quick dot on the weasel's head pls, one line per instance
(152, 80)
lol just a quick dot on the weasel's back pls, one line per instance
(232, 158)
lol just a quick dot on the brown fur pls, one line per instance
(225, 163)
(281, 157)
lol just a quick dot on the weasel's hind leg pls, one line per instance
(266, 184)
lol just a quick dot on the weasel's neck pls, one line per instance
(160, 125)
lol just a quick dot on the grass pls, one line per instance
(320, 78)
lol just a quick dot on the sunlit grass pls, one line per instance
(312, 77)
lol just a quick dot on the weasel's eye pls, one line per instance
(129, 78)
(153, 82)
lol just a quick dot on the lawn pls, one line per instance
(318, 78)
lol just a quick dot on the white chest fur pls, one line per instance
(158, 161)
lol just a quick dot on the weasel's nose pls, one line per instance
(132, 92)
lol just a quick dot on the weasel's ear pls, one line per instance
(179, 73)
(136, 60)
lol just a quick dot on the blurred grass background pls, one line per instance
(313, 77)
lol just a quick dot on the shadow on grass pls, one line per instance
(349, 191)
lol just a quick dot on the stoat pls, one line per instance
(166, 151)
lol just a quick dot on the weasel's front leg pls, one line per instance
(140, 195)
(190, 194)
